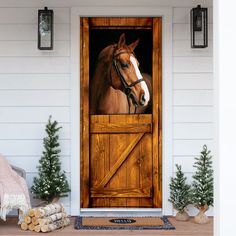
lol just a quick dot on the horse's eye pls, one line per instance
(124, 65)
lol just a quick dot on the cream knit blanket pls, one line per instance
(13, 191)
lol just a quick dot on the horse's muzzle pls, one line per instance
(142, 100)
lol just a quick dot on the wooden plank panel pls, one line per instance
(120, 22)
(99, 155)
(133, 175)
(121, 193)
(121, 159)
(120, 128)
(84, 105)
(157, 111)
(146, 168)
(118, 144)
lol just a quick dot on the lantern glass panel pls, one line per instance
(45, 29)
(199, 31)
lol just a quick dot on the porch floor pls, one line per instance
(182, 228)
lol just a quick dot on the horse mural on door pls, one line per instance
(120, 112)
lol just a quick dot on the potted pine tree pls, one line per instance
(51, 183)
(202, 186)
(180, 194)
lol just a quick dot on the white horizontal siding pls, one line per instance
(193, 81)
(193, 114)
(193, 97)
(182, 31)
(34, 65)
(29, 49)
(92, 3)
(192, 64)
(33, 114)
(193, 131)
(29, 147)
(190, 147)
(193, 111)
(29, 131)
(181, 48)
(35, 84)
(181, 15)
(28, 162)
(30, 15)
(35, 98)
(34, 81)
(18, 32)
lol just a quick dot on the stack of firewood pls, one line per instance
(45, 219)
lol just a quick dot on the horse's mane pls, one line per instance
(102, 71)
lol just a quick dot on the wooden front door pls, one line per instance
(121, 154)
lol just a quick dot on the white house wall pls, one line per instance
(35, 84)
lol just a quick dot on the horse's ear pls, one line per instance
(133, 45)
(121, 41)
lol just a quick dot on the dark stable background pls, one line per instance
(101, 38)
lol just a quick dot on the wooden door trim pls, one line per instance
(157, 112)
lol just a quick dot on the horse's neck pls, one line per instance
(112, 102)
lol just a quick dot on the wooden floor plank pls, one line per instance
(11, 228)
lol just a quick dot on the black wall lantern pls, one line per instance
(45, 29)
(199, 30)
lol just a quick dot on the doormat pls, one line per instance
(123, 223)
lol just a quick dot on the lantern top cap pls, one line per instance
(198, 6)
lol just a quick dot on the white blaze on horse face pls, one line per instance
(143, 83)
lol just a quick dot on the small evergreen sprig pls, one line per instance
(179, 191)
(202, 186)
(51, 182)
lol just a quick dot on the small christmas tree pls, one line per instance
(202, 186)
(180, 194)
(51, 183)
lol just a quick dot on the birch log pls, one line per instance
(27, 219)
(24, 226)
(31, 212)
(50, 219)
(48, 210)
(37, 228)
(55, 225)
(31, 227)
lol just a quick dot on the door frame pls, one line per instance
(166, 14)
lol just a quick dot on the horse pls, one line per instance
(117, 86)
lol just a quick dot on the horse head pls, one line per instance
(125, 73)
